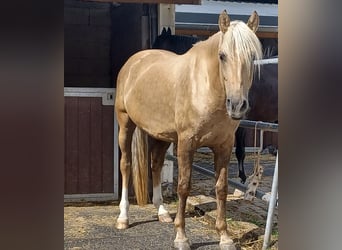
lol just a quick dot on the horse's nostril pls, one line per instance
(228, 101)
(244, 104)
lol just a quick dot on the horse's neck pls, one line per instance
(208, 51)
(204, 55)
(210, 45)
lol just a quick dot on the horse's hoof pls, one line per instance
(165, 218)
(243, 178)
(121, 224)
(182, 245)
(227, 246)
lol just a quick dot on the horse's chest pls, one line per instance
(215, 131)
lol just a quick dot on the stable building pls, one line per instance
(99, 36)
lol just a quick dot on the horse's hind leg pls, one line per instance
(125, 138)
(222, 155)
(240, 136)
(158, 150)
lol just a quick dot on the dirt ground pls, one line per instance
(246, 220)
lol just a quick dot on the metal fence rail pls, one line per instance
(265, 126)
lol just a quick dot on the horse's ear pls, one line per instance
(253, 21)
(169, 31)
(224, 21)
(163, 31)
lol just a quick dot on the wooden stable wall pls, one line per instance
(89, 146)
(87, 44)
(134, 27)
(98, 39)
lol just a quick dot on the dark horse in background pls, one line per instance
(263, 95)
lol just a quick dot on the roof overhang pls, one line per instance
(149, 1)
(202, 20)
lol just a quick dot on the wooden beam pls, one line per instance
(189, 32)
(195, 32)
(196, 2)
(265, 34)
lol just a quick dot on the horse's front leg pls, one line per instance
(221, 159)
(185, 156)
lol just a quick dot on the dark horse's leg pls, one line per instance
(240, 136)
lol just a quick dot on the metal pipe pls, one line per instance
(261, 143)
(266, 126)
(207, 172)
(214, 27)
(271, 206)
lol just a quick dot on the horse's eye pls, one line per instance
(222, 56)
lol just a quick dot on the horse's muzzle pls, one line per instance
(237, 108)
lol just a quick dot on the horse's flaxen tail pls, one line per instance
(140, 165)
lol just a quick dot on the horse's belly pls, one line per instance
(159, 129)
(157, 120)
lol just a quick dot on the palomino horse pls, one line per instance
(263, 95)
(195, 99)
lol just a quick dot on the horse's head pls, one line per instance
(238, 48)
(163, 39)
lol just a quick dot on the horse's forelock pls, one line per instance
(244, 44)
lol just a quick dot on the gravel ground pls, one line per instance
(91, 226)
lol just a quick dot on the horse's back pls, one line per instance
(139, 68)
(144, 58)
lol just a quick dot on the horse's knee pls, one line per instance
(221, 225)
(183, 189)
(178, 222)
(221, 191)
(125, 168)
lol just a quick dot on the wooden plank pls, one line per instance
(264, 34)
(190, 32)
(84, 145)
(71, 145)
(195, 2)
(198, 32)
(88, 197)
(108, 148)
(96, 145)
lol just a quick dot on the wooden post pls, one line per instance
(166, 17)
